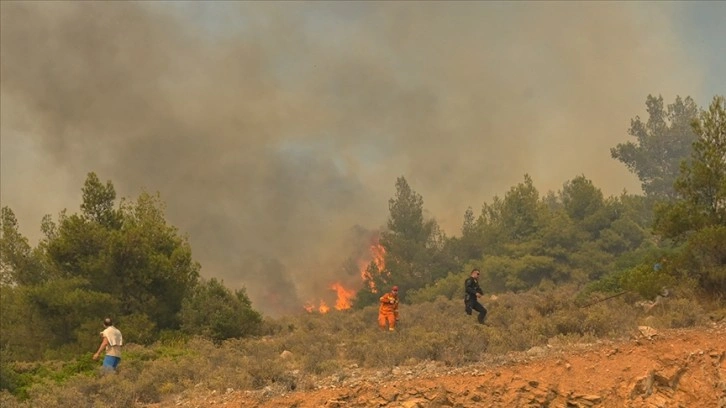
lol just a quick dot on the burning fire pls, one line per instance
(322, 308)
(377, 252)
(345, 295)
(343, 302)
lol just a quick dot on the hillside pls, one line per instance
(669, 368)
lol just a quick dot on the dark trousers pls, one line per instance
(479, 308)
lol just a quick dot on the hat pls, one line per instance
(395, 288)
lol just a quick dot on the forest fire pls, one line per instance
(345, 296)
(343, 301)
(374, 262)
(321, 308)
(377, 252)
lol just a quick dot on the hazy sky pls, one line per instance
(275, 132)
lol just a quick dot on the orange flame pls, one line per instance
(344, 296)
(378, 253)
(343, 301)
(321, 308)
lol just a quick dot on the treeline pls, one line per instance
(123, 259)
(674, 233)
(111, 259)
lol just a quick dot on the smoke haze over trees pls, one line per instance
(274, 132)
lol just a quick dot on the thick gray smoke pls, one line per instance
(275, 131)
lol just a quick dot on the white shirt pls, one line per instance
(115, 341)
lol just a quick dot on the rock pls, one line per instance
(415, 403)
(591, 398)
(441, 399)
(286, 354)
(388, 395)
(647, 332)
(334, 403)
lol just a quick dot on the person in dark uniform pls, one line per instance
(472, 293)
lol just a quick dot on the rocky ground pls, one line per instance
(671, 368)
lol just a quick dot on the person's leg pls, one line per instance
(467, 308)
(110, 363)
(382, 321)
(482, 312)
(391, 322)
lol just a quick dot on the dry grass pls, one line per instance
(323, 345)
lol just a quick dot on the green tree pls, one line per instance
(492, 236)
(410, 241)
(450, 287)
(520, 210)
(151, 264)
(701, 186)
(581, 198)
(584, 203)
(80, 248)
(19, 264)
(64, 306)
(704, 258)
(661, 144)
(99, 202)
(514, 236)
(122, 260)
(469, 246)
(698, 217)
(129, 252)
(20, 326)
(215, 312)
(646, 281)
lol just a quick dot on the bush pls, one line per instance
(215, 312)
(437, 331)
(645, 280)
(451, 287)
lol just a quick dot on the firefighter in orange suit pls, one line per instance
(388, 311)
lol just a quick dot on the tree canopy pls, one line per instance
(662, 142)
(118, 259)
(698, 215)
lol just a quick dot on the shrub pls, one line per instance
(646, 280)
(435, 331)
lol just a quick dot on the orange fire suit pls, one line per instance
(388, 311)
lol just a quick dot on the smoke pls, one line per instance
(275, 131)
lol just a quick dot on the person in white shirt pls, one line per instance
(111, 342)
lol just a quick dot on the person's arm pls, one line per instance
(102, 347)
